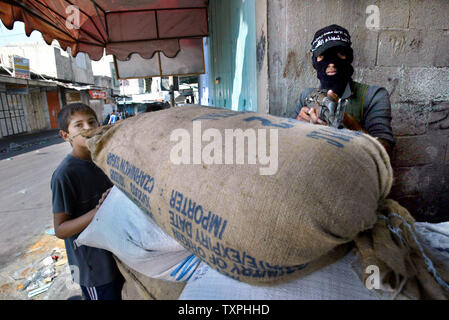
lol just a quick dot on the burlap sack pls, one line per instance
(140, 287)
(261, 221)
(408, 269)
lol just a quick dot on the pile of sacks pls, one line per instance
(157, 267)
(321, 197)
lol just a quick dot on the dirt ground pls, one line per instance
(13, 278)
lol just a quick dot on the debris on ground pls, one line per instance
(37, 271)
(39, 277)
(50, 232)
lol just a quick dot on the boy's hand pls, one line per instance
(103, 197)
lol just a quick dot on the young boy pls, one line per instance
(78, 189)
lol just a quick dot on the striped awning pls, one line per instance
(121, 27)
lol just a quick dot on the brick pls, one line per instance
(315, 15)
(424, 191)
(409, 119)
(292, 24)
(406, 181)
(438, 122)
(352, 13)
(441, 55)
(390, 78)
(429, 14)
(393, 14)
(446, 162)
(424, 84)
(413, 48)
(410, 48)
(420, 150)
(431, 208)
(364, 44)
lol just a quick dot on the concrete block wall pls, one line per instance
(408, 55)
(67, 68)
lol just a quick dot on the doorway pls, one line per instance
(12, 114)
(53, 108)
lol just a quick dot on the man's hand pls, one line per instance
(311, 114)
(332, 95)
(103, 197)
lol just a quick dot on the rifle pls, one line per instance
(328, 110)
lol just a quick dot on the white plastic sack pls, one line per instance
(336, 281)
(435, 237)
(125, 230)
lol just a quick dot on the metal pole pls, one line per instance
(172, 91)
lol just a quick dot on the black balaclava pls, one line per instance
(337, 83)
(327, 42)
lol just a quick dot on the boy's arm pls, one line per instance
(66, 227)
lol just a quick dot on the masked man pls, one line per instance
(366, 108)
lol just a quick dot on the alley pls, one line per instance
(25, 196)
(25, 212)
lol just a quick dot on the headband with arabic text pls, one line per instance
(334, 35)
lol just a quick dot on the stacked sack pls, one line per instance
(256, 221)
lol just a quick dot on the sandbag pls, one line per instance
(281, 205)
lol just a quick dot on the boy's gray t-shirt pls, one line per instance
(77, 186)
